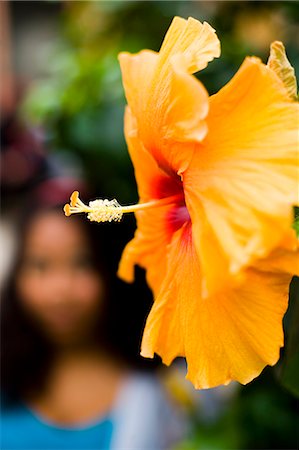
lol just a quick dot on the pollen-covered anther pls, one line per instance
(74, 198)
(97, 210)
(105, 211)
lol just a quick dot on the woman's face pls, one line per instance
(57, 283)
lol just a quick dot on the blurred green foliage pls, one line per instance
(261, 416)
(296, 220)
(81, 105)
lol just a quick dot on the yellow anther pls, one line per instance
(67, 210)
(74, 198)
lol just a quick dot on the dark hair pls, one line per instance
(26, 354)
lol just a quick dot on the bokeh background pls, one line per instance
(62, 100)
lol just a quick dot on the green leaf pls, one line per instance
(296, 220)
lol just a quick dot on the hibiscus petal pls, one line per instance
(148, 249)
(244, 332)
(280, 64)
(152, 182)
(284, 258)
(137, 73)
(164, 330)
(169, 104)
(190, 43)
(229, 336)
(245, 174)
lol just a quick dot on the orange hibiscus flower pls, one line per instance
(217, 180)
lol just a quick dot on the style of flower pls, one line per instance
(217, 179)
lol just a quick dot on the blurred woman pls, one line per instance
(64, 316)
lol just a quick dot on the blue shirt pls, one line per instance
(22, 429)
(140, 419)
